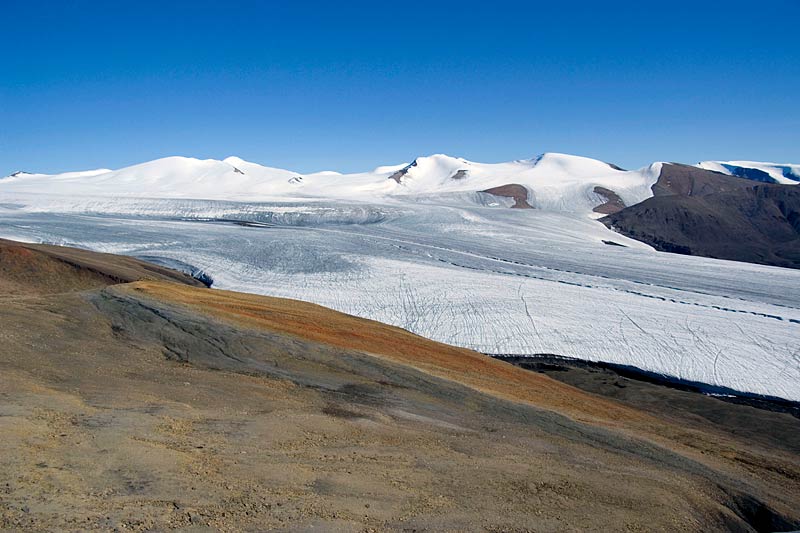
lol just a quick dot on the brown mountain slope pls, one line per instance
(153, 405)
(685, 180)
(512, 190)
(43, 269)
(698, 212)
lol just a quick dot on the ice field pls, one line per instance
(465, 270)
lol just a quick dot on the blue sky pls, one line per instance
(349, 86)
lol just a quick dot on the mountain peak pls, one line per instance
(234, 160)
(18, 173)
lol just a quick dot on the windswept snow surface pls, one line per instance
(433, 255)
(785, 174)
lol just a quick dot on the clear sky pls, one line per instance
(351, 85)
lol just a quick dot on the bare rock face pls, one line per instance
(512, 190)
(400, 174)
(685, 180)
(613, 203)
(701, 212)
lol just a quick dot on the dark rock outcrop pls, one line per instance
(613, 203)
(686, 180)
(705, 213)
(400, 174)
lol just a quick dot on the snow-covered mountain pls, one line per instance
(553, 181)
(785, 174)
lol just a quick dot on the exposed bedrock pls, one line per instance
(700, 212)
(613, 203)
(512, 190)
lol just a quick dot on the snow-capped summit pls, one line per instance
(168, 177)
(574, 164)
(25, 177)
(257, 170)
(554, 181)
(387, 169)
(18, 173)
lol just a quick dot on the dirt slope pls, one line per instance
(28, 269)
(154, 405)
